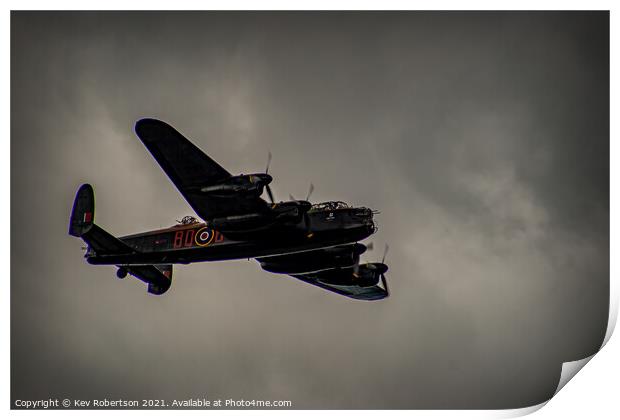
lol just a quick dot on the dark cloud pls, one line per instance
(483, 138)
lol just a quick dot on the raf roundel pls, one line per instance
(204, 236)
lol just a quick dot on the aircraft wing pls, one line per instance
(190, 169)
(352, 291)
(328, 268)
(314, 260)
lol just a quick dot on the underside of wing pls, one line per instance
(347, 284)
(312, 261)
(336, 269)
(190, 170)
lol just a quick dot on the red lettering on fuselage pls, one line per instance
(178, 239)
(189, 237)
(185, 238)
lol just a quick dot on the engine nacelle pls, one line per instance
(367, 275)
(240, 184)
(287, 212)
(240, 222)
(313, 261)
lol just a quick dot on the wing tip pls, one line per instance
(145, 127)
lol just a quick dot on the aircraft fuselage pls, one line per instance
(197, 242)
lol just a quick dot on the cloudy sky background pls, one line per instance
(483, 139)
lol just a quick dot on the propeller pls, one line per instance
(385, 286)
(373, 266)
(309, 233)
(310, 191)
(268, 163)
(267, 187)
(383, 280)
(270, 194)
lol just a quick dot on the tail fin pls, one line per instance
(83, 214)
(82, 225)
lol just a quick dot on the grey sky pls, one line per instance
(483, 139)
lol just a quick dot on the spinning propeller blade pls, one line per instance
(385, 286)
(270, 194)
(290, 196)
(383, 280)
(306, 217)
(387, 248)
(268, 163)
(310, 192)
(267, 187)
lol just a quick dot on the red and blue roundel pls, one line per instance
(204, 236)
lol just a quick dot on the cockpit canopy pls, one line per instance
(329, 205)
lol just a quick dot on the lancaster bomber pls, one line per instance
(315, 243)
